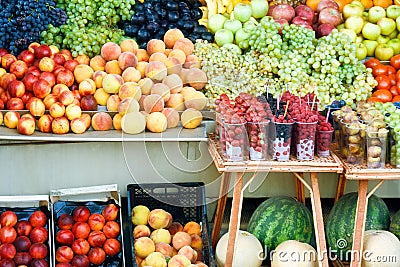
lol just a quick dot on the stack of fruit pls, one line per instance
(161, 241)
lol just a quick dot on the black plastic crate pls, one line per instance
(185, 201)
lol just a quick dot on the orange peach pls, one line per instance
(57, 110)
(153, 103)
(140, 231)
(155, 45)
(185, 45)
(196, 78)
(197, 242)
(191, 118)
(156, 70)
(192, 61)
(113, 102)
(88, 120)
(192, 228)
(156, 122)
(141, 67)
(78, 125)
(127, 59)
(167, 51)
(37, 107)
(98, 77)
(117, 120)
(162, 90)
(58, 88)
(86, 87)
(26, 125)
(173, 65)
(183, 74)
(141, 100)
(164, 248)
(179, 261)
(60, 125)
(128, 105)
(110, 51)
(196, 100)
(174, 82)
(178, 54)
(130, 89)
(155, 259)
(83, 59)
(97, 63)
(66, 97)
(112, 67)
(200, 264)
(129, 45)
(187, 91)
(131, 74)
(157, 56)
(176, 102)
(160, 235)
(171, 36)
(101, 96)
(143, 247)
(101, 121)
(189, 253)
(142, 55)
(181, 239)
(73, 111)
(172, 117)
(133, 123)
(44, 123)
(82, 72)
(112, 83)
(175, 227)
(145, 85)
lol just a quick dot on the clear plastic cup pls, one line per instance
(282, 140)
(324, 142)
(235, 141)
(305, 141)
(258, 139)
(376, 148)
(354, 149)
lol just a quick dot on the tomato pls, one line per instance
(383, 95)
(393, 90)
(391, 70)
(372, 62)
(383, 82)
(379, 70)
(396, 98)
(392, 78)
(395, 61)
(373, 99)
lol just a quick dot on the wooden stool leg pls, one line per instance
(234, 223)
(219, 213)
(318, 220)
(300, 189)
(359, 226)
(341, 186)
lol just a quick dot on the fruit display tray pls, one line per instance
(95, 198)
(24, 206)
(185, 201)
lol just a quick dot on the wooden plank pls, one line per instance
(341, 186)
(318, 220)
(300, 189)
(220, 209)
(359, 226)
(234, 220)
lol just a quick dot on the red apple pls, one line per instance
(8, 218)
(7, 60)
(80, 246)
(41, 88)
(19, 68)
(39, 263)
(283, 11)
(15, 104)
(112, 229)
(71, 64)
(23, 227)
(65, 221)
(81, 230)
(327, 4)
(38, 219)
(49, 77)
(38, 251)
(330, 15)
(306, 12)
(39, 234)
(324, 29)
(42, 51)
(26, 56)
(16, 88)
(96, 222)
(81, 214)
(7, 251)
(96, 239)
(64, 254)
(80, 261)
(22, 258)
(22, 244)
(96, 256)
(65, 237)
(300, 21)
(7, 263)
(88, 103)
(110, 212)
(59, 59)
(112, 247)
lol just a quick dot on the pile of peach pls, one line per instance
(151, 85)
(24, 242)
(85, 238)
(161, 242)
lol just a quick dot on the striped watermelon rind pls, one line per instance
(395, 224)
(341, 219)
(279, 219)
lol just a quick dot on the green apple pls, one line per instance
(395, 44)
(354, 23)
(371, 31)
(355, 2)
(375, 13)
(359, 38)
(250, 24)
(387, 25)
(233, 25)
(393, 34)
(241, 35)
(393, 11)
(216, 22)
(361, 51)
(365, 15)
(223, 36)
(351, 33)
(370, 45)
(382, 39)
(352, 10)
(259, 8)
(242, 12)
(340, 26)
(398, 23)
(384, 52)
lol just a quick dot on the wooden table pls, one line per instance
(318, 165)
(363, 175)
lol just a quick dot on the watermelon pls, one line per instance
(279, 219)
(395, 225)
(341, 219)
